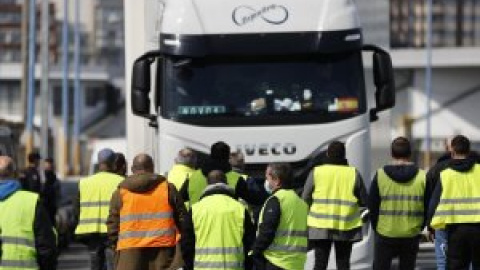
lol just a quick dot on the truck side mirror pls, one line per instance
(141, 82)
(383, 79)
(141, 87)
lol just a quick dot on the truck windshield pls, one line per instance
(263, 90)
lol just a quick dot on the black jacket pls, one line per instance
(188, 238)
(241, 189)
(399, 174)
(50, 194)
(30, 179)
(433, 175)
(45, 240)
(268, 228)
(459, 165)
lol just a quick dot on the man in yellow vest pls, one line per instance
(27, 237)
(145, 213)
(455, 206)
(398, 206)
(335, 192)
(218, 231)
(193, 188)
(184, 167)
(281, 241)
(91, 210)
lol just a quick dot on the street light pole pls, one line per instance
(428, 85)
(65, 108)
(44, 89)
(77, 94)
(32, 33)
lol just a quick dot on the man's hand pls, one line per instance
(430, 235)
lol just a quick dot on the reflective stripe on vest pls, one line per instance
(218, 223)
(401, 211)
(146, 219)
(11, 264)
(289, 247)
(460, 199)
(218, 265)
(17, 215)
(334, 205)
(95, 194)
(178, 174)
(198, 182)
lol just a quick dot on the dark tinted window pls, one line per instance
(301, 89)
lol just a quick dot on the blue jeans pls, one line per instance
(441, 249)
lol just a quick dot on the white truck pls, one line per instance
(275, 79)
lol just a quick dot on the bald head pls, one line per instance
(6, 167)
(186, 157)
(215, 177)
(142, 163)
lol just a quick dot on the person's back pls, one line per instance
(220, 231)
(145, 213)
(92, 207)
(17, 214)
(335, 192)
(51, 189)
(27, 237)
(95, 193)
(398, 204)
(218, 221)
(454, 206)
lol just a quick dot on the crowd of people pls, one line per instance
(216, 216)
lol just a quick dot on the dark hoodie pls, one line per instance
(241, 190)
(45, 238)
(399, 174)
(188, 238)
(142, 183)
(459, 165)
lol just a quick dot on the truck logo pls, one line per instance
(273, 14)
(268, 149)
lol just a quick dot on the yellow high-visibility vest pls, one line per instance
(218, 222)
(334, 205)
(460, 199)
(289, 247)
(17, 217)
(178, 174)
(198, 182)
(95, 194)
(402, 205)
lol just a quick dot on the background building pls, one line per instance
(401, 25)
(455, 65)
(101, 57)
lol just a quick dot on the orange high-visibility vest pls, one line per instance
(146, 219)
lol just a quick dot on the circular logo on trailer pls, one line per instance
(273, 14)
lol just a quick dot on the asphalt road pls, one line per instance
(76, 258)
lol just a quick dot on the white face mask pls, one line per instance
(268, 188)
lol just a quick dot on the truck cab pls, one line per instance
(277, 81)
